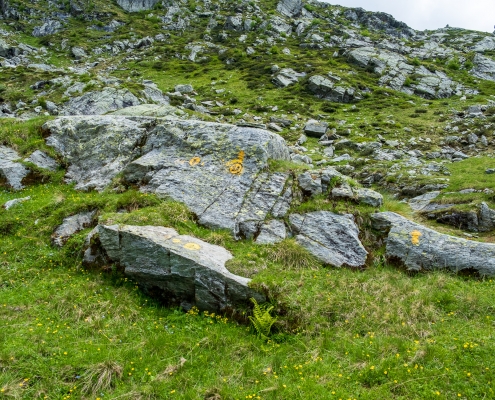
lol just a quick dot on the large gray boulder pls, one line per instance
(420, 248)
(290, 8)
(98, 103)
(176, 268)
(332, 238)
(11, 172)
(137, 5)
(151, 110)
(484, 67)
(217, 170)
(326, 89)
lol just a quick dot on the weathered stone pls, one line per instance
(287, 76)
(70, 226)
(467, 220)
(98, 103)
(151, 110)
(418, 203)
(368, 196)
(50, 27)
(42, 160)
(484, 67)
(11, 203)
(178, 269)
(332, 238)
(310, 183)
(486, 218)
(315, 129)
(78, 53)
(186, 88)
(11, 172)
(215, 169)
(324, 88)
(137, 5)
(272, 232)
(420, 248)
(290, 8)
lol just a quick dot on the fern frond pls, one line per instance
(262, 320)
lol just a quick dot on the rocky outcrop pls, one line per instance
(217, 170)
(420, 248)
(70, 226)
(50, 27)
(484, 67)
(327, 89)
(290, 8)
(397, 74)
(12, 173)
(177, 269)
(99, 103)
(287, 76)
(137, 5)
(332, 238)
(42, 160)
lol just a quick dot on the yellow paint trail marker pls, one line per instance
(415, 235)
(192, 246)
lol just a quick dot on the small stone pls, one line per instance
(11, 203)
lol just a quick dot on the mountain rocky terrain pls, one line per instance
(272, 120)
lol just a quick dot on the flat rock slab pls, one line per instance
(178, 268)
(272, 232)
(42, 160)
(70, 226)
(11, 203)
(11, 172)
(420, 248)
(332, 238)
(217, 170)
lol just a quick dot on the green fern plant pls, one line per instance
(262, 320)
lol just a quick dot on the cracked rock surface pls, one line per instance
(217, 170)
(332, 238)
(178, 268)
(420, 248)
(11, 171)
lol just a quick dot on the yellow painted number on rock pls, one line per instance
(192, 246)
(235, 166)
(194, 161)
(415, 235)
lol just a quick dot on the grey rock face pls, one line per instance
(42, 160)
(287, 76)
(272, 232)
(11, 203)
(137, 5)
(330, 237)
(315, 128)
(368, 196)
(184, 88)
(48, 28)
(78, 53)
(151, 110)
(420, 248)
(290, 8)
(8, 51)
(396, 70)
(176, 268)
(70, 226)
(215, 169)
(98, 103)
(324, 88)
(486, 218)
(484, 67)
(11, 172)
(419, 203)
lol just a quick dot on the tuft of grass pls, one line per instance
(101, 377)
(291, 256)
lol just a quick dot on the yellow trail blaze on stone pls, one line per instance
(235, 166)
(192, 246)
(194, 161)
(176, 240)
(415, 235)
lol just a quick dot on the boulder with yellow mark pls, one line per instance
(420, 248)
(178, 269)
